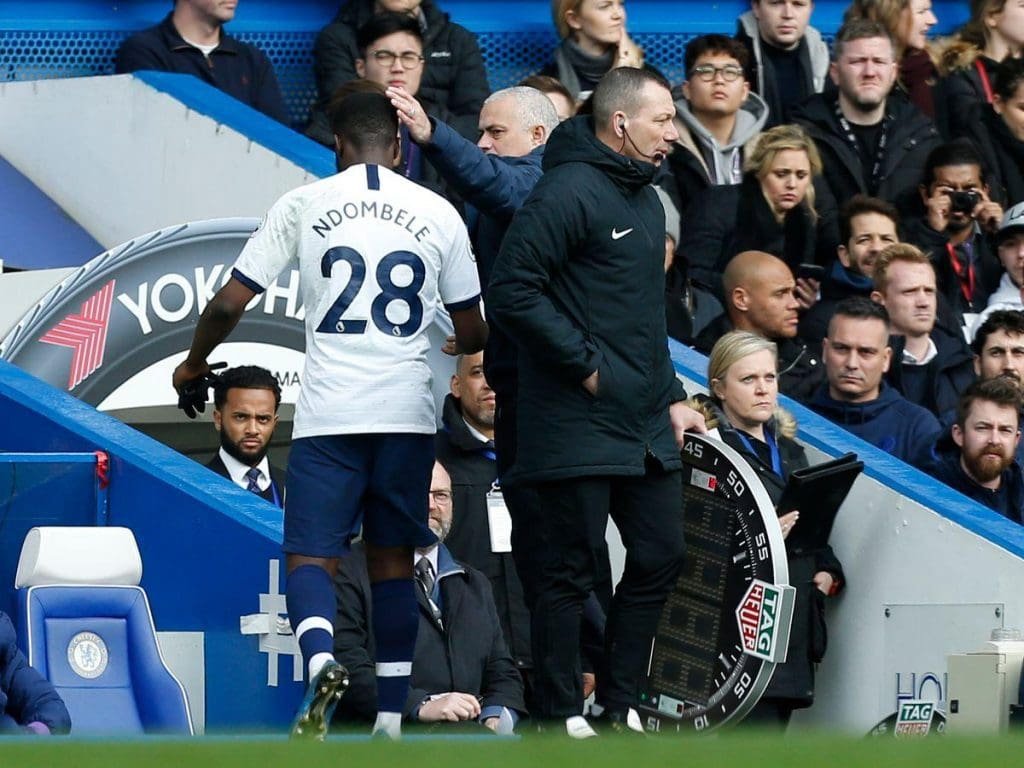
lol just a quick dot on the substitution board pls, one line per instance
(726, 625)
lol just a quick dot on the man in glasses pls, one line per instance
(717, 116)
(461, 671)
(391, 55)
(454, 79)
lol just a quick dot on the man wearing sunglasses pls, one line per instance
(717, 116)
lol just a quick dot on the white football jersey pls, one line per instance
(377, 254)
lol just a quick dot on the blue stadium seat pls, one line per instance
(86, 625)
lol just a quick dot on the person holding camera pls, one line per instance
(958, 228)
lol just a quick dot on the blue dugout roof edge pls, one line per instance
(249, 122)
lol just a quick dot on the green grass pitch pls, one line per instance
(725, 751)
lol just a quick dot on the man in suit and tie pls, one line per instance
(461, 670)
(246, 399)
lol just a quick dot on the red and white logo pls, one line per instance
(85, 333)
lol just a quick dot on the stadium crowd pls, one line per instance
(853, 218)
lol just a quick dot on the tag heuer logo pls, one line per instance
(758, 616)
(87, 655)
(914, 718)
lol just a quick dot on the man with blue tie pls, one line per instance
(246, 399)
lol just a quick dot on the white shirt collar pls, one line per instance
(909, 359)
(475, 432)
(237, 470)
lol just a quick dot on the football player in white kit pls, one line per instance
(376, 254)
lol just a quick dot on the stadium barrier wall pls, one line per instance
(150, 150)
(929, 572)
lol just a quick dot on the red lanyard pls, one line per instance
(985, 84)
(966, 290)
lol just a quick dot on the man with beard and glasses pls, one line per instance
(461, 670)
(980, 464)
(245, 403)
(958, 229)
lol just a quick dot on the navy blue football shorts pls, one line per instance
(338, 482)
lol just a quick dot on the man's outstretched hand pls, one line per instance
(193, 386)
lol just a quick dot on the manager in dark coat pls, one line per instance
(495, 176)
(578, 286)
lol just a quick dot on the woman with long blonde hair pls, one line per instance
(743, 406)
(777, 208)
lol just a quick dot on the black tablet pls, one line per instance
(818, 492)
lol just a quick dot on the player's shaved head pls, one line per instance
(747, 268)
(365, 122)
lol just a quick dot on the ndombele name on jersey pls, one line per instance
(381, 211)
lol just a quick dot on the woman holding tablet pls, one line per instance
(744, 407)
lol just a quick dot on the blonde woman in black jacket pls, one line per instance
(744, 408)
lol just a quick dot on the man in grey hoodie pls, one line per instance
(717, 117)
(790, 60)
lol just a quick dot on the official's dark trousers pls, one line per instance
(569, 542)
(524, 508)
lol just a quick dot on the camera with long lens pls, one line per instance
(963, 201)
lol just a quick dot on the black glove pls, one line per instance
(193, 396)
